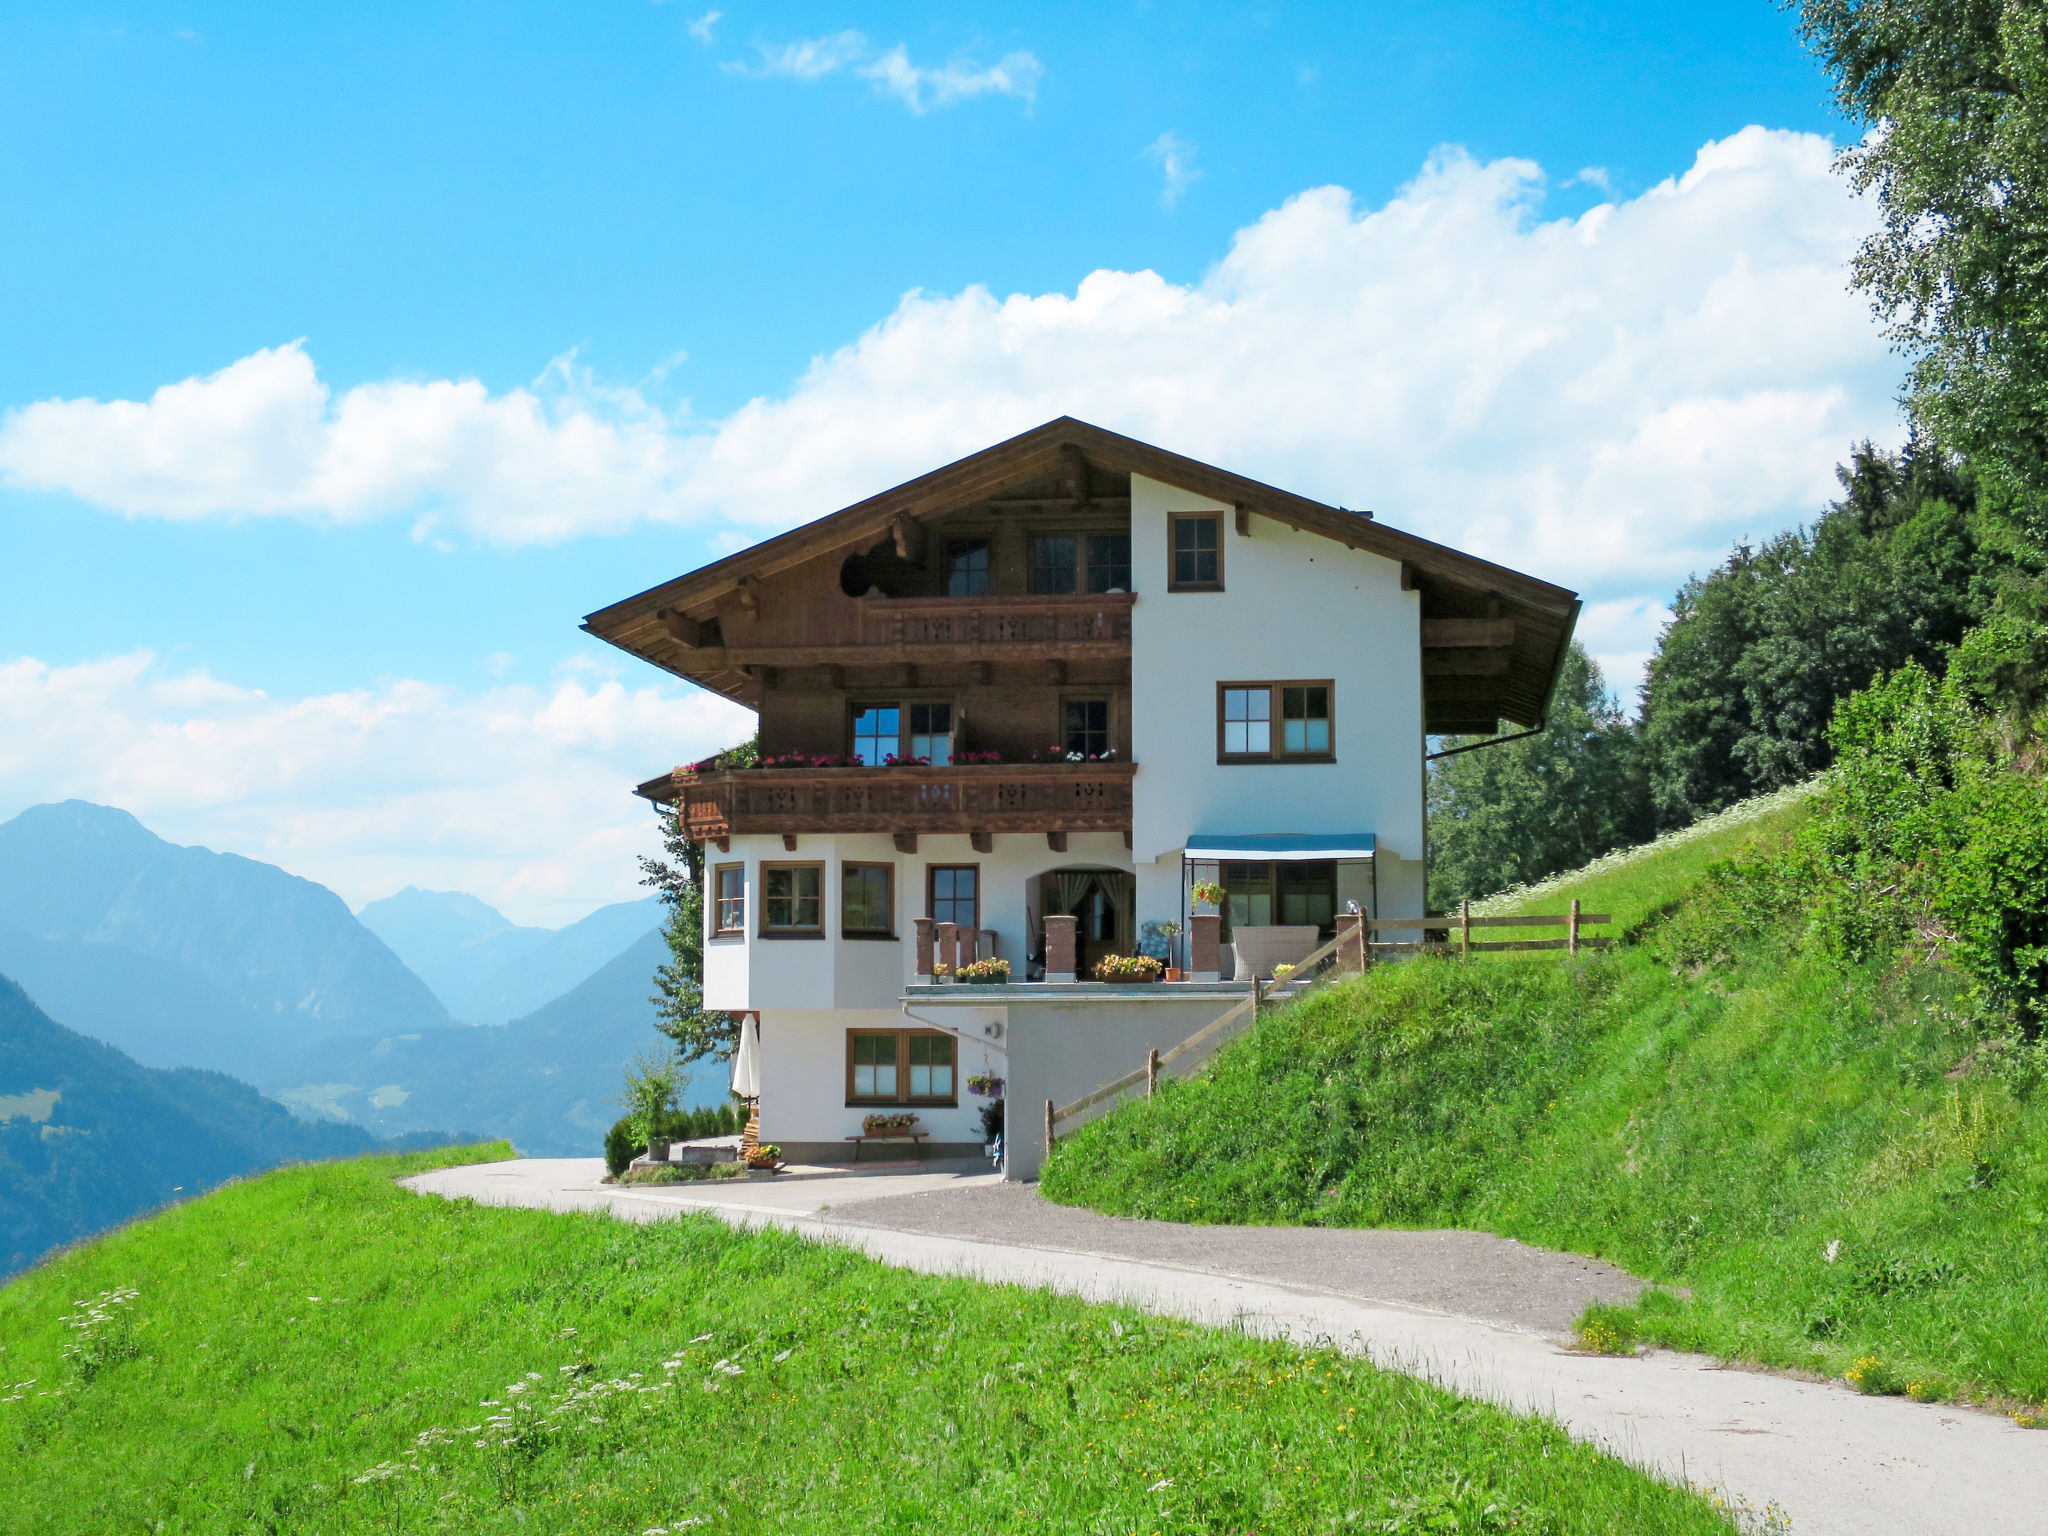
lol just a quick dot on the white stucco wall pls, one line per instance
(1293, 606)
(755, 973)
(803, 1076)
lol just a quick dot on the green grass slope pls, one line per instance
(320, 1351)
(1828, 1159)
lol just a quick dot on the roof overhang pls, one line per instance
(1496, 650)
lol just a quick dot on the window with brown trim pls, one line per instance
(1276, 722)
(897, 732)
(867, 901)
(900, 1066)
(1194, 551)
(793, 900)
(729, 899)
(1084, 726)
(953, 894)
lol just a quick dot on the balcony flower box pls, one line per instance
(1128, 968)
(991, 972)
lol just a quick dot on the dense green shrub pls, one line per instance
(623, 1143)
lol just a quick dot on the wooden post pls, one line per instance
(1151, 1071)
(1464, 929)
(1048, 1127)
(1571, 929)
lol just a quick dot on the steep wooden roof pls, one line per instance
(1494, 639)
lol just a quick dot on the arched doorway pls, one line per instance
(1104, 903)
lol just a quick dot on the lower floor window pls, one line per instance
(1293, 894)
(899, 1066)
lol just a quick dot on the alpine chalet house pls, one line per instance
(1066, 677)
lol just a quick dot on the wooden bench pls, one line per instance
(915, 1138)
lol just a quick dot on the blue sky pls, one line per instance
(638, 218)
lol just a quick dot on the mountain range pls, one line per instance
(182, 957)
(487, 970)
(90, 1138)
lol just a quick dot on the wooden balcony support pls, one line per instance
(975, 799)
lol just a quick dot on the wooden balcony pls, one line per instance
(972, 798)
(1064, 627)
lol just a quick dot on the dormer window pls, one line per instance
(1194, 552)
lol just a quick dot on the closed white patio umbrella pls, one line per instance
(746, 1061)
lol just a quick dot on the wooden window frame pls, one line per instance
(719, 930)
(961, 541)
(902, 703)
(889, 874)
(762, 929)
(1080, 543)
(1087, 561)
(1278, 752)
(1173, 522)
(931, 872)
(902, 1098)
(1088, 696)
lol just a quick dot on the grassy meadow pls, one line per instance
(317, 1350)
(1837, 1166)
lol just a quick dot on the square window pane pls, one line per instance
(865, 899)
(1085, 725)
(863, 1080)
(953, 894)
(1318, 736)
(1054, 562)
(877, 733)
(967, 568)
(1109, 562)
(931, 732)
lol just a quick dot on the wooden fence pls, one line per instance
(1341, 956)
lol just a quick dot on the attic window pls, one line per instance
(967, 568)
(1194, 552)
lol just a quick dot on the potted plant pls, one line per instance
(649, 1098)
(985, 973)
(1127, 968)
(1171, 931)
(985, 1085)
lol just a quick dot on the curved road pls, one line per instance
(1478, 1314)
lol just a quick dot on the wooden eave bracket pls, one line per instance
(982, 842)
(680, 627)
(906, 842)
(749, 596)
(909, 535)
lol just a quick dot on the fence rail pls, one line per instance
(1353, 948)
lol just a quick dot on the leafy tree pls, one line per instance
(1955, 93)
(679, 985)
(1759, 652)
(1501, 816)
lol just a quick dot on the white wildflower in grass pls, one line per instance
(782, 1357)
(1163, 1483)
(729, 1368)
(566, 1333)
(702, 1338)
(1833, 1250)
(1735, 816)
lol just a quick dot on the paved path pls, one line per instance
(1473, 1313)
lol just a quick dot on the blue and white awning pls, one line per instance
(1279, 845)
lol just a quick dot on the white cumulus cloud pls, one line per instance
(518, 794)
(1605, 400)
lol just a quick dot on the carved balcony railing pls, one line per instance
(963, 798)
(1063, 627)
(999, 624)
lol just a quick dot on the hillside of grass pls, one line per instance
(318, 1350)
(1845, 1163)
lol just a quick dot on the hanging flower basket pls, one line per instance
(985, 1085)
